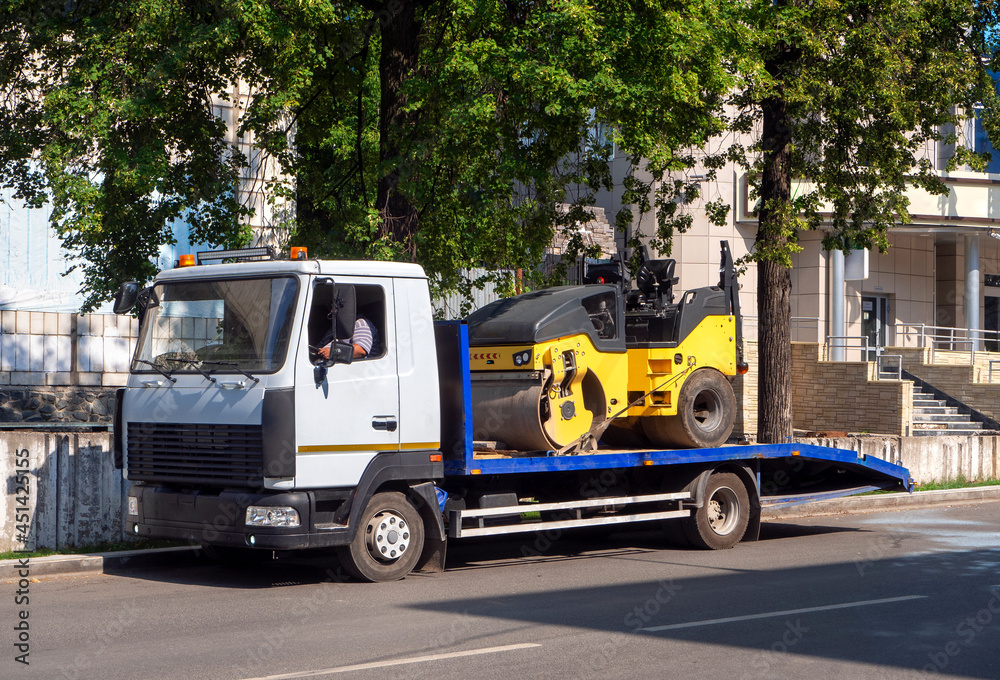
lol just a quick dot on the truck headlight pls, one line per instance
(133, 505)
(269, 516)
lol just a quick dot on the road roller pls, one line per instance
(563, 368)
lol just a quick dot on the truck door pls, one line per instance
(352, 413)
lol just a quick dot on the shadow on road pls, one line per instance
(937, 612)
(482, 553)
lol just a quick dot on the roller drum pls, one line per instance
(510, 411)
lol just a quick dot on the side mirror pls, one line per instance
(341, 353)
(125, 297)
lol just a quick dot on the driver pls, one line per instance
(363, 339)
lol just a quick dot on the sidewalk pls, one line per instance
(98, 563)
(882, 502)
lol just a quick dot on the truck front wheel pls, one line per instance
(389, 540)
(722, 519)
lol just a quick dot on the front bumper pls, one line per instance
(219, 519)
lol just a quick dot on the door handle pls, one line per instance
(384, 423)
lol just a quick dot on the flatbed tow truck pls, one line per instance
(238, 436)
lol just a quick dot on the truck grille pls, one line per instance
(204, 454)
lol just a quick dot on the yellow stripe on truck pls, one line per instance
(407, 446)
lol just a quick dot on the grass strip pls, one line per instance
(107, 546)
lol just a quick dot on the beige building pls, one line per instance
(949, 253)
(933, 297)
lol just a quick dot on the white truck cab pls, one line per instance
(230, 410)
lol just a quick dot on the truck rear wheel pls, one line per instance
(389, 540)
(706, 413)
(722, 519)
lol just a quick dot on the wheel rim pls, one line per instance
(723, 511)
(387, 536)
(707, 410)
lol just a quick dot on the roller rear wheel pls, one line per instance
(706, 413)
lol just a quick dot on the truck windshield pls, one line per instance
(229, 325)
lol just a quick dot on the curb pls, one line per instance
(882, 502)
(98, 563)
(103, 563)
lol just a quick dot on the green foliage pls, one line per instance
(108, 115)
(504, 109)
(867, 89)
(513, 107)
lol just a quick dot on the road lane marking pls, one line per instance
(397, 662)
(787, 612)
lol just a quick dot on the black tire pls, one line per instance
(389, 541)
(230, 556)
(706, 413)
(721, 522)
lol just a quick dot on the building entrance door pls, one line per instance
(992, 324)
(874, 323)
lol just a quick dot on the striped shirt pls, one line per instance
(364, 334)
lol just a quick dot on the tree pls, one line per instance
(844, 96)
(442, 131)
(107, 114)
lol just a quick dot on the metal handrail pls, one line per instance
(971, 350)
(928, 335)
(863, 345)
(879, 363)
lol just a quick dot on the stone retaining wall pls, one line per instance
(960, 380)
(31, 404)
(843, 395)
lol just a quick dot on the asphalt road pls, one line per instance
(888, 595)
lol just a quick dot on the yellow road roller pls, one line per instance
(562, 368)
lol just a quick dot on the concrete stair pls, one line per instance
(932, 417)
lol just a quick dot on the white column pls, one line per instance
(972, 286)
(837, 303)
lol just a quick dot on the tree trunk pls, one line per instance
(774, 313)
(397, 63)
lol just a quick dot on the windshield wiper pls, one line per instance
(159, 370)
(232, 364)
(195, 366)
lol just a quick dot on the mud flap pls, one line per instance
(432, 557)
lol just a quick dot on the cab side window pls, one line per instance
(367, 331)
